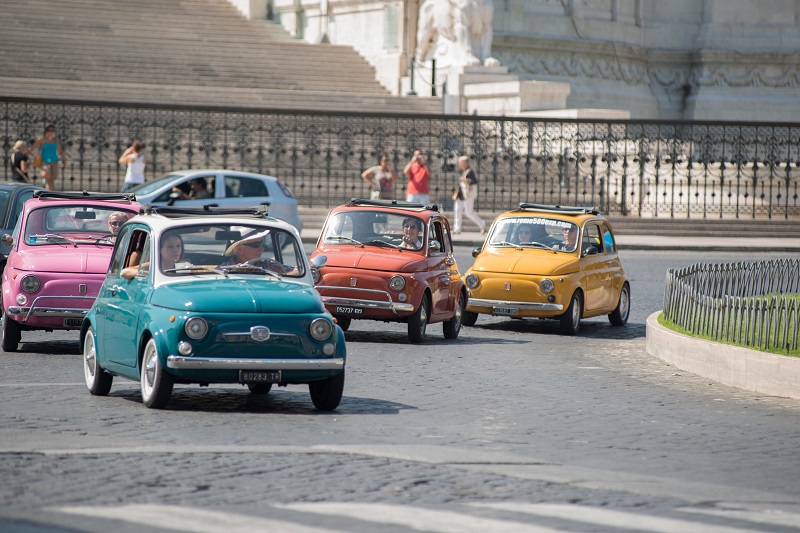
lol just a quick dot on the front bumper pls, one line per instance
(38, 310)
(523, 306)
(218, 363)
(380, 305)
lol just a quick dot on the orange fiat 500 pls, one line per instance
(549, 262)
(390, 261)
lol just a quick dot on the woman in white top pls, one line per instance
(134, 158)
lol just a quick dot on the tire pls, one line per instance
(98, 381)
(418, 322)
(619, 316)
(344, 322)
(453, 326)
(11, 334)
(468, 318)
(156, 383)
(571, 319)
(327, 393)
(259, 388)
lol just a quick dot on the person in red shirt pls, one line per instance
(418, 176)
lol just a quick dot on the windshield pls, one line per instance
(150, 186)
(375, 228)
(225, 249)
(535, 232)
(73, 224)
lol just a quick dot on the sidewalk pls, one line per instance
(646, 242)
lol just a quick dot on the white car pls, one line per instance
(223, 188)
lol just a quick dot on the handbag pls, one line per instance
(457, 193)
(37, 161)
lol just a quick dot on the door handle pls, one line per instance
(114, 289)
(450, 261)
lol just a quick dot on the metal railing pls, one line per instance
(740, 303)
(625, 168)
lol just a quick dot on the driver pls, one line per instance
(248, 251)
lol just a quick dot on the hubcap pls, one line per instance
(89, 357)
(576, 312)
(624, 304)
(149, 371)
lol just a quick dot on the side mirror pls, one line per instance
(318, 261)
(476, 251)
(7, 240)
(434, 245)
(173, 197)
(591, 250)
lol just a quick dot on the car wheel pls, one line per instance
(11, 334)
(453, 326)
(327, 393)
(468, 318)
(344, 322)
(619, 316)
(571, 319)
(98, 381)
(156, 383)
(259, 388)
(418, 322)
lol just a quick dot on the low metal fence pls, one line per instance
(752, 304)
(634, 168)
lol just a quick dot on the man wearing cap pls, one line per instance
(247, 252)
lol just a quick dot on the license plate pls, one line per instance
(73, 322)
(259, 376)
(349, 310)
(508, 311)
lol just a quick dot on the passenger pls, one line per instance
(115, 222)
(171, 251)
(198, 190)
(247, 252)
(570, 238)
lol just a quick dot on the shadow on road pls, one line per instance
(432, 338)
(589, 329)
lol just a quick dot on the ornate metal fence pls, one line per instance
(742, 303)
(626, 168)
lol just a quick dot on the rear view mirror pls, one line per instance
(85, 215)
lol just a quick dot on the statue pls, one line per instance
(458, 31)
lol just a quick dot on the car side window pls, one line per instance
(120, 252)
(591, 237)
(244, 187)
(138, 253)
(436, 233)
(21, 199)
(608, 240)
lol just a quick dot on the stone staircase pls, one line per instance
(191, 52)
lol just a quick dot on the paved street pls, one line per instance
(511, 427)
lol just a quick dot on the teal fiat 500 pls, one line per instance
(211, 296)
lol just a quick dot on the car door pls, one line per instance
(125, 298)
(614, 275)
(438, 269)
(594, 267)
(245, 191)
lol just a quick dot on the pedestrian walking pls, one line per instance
(51, 152)
(133, 156)
(381, 178)
(19, 162)
(465, 196)
(418, 179)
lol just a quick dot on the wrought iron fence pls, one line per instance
(741, 303)
(626, 168)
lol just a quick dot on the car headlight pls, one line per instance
(320, 329)
(316, 275)
(397, 283)
(547, 286)
(472, 281)
(30, 284)
(196, 328)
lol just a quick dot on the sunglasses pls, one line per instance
(258, 244)
(410, 226)
(115, 223)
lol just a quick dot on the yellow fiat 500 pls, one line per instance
(549, 262)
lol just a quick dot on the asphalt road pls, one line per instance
(510, 427)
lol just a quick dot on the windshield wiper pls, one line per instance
(200, 268)
(345, 239)
(378, 242)
(251, 268)
(54, 236)
(536, 244)
(506, 243)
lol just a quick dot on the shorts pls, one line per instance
(51, 169)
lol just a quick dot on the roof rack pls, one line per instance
(562, 209)
(85, 195)
(203, 211)
(393, 204)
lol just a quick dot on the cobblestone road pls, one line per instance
(511, 427)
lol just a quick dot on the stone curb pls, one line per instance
(761, 372)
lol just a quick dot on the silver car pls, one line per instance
(224, 188)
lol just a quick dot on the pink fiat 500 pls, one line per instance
(60, 251)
